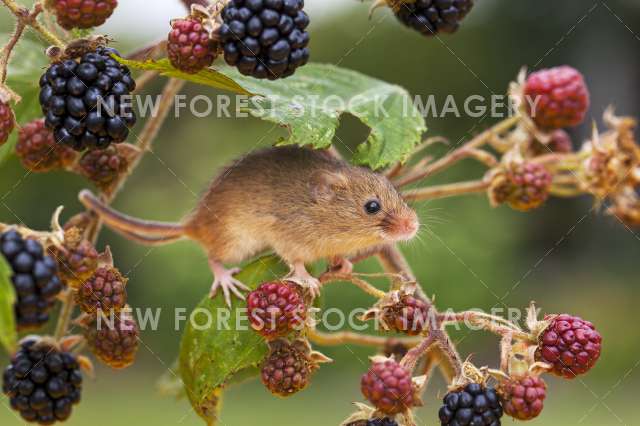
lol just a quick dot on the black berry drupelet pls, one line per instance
(34, 278)
(430, 17)
(474, 405)
(87, 103)
(265, 38)
(42, 383)
(382, 422)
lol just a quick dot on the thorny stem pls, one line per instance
(447, 190)
(8, 49)
(467, 150)
(361, 284)
(149, 132)
(28, 19)
(474, 316)
(348, 337)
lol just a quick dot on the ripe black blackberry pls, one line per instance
(474, 405)
(430, 17)
(42, 383)
(382, 422)
(34, 278)
(87, 102)
(265, 38)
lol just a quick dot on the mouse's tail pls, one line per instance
(142, 231)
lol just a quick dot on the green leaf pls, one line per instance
(207, 77)
(213, 357)
(310, 104)
(28, 62)
(8, 334)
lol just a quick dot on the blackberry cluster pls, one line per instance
(523, 397)
(276, 308)
(7, 122)
(114, 340)
(34, 278)
(430, 17)
(104, 291)
(265, 38)
(104, 166)
(77, 259)
(570, 344)
(39, 152)
(190, 47)
(82, 13)
(287, 369)
(389, 387)
(410, 315)
(42, 383)
(87, 104)
(474, 405)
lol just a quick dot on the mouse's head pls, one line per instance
(366, 208)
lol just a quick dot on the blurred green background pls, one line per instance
(566, 256)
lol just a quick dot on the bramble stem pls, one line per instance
(28, 19)
(447, 190)
(474, 316)
(349, 337)
(64, 318)
(467, 150)
(8, 49)
(360, 283)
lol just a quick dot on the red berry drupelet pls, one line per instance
(82, 14)
(474, 405)
(265, 38)
(556, 97)
(523, 397)
(7, 122)
(410, 315)
(114, 340)
(42, 383)
(276, 308)
(87, 103)
(431, 17)
(287, 369)
(38, 151)
(389, 387)
(190, 47)
(570, 344)
(34, 277)
(104, 291)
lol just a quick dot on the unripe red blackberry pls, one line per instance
(7, 122)
(42, 383)
(389, 387)
(190, 47)
(556, 97)
(77, 258)
(34, 278)
(104, 291)
(113, 339)
(570, 344)
(431, 17)
(288, 367)
(410, 315)
(475, 404)
(265, 38)
(524, 186)
(276, 308)
(38, 150)
(104, 166)
(523, 397)
(87, 103)
(559, 142)
(82, 13)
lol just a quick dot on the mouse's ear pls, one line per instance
(324, 184)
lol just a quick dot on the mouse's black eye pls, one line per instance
(372, 206)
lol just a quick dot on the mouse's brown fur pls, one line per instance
(304, 204)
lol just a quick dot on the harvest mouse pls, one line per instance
(304, 204)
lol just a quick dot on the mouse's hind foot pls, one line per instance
(300, 276)
(223, 279)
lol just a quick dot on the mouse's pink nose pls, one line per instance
(404, 227)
